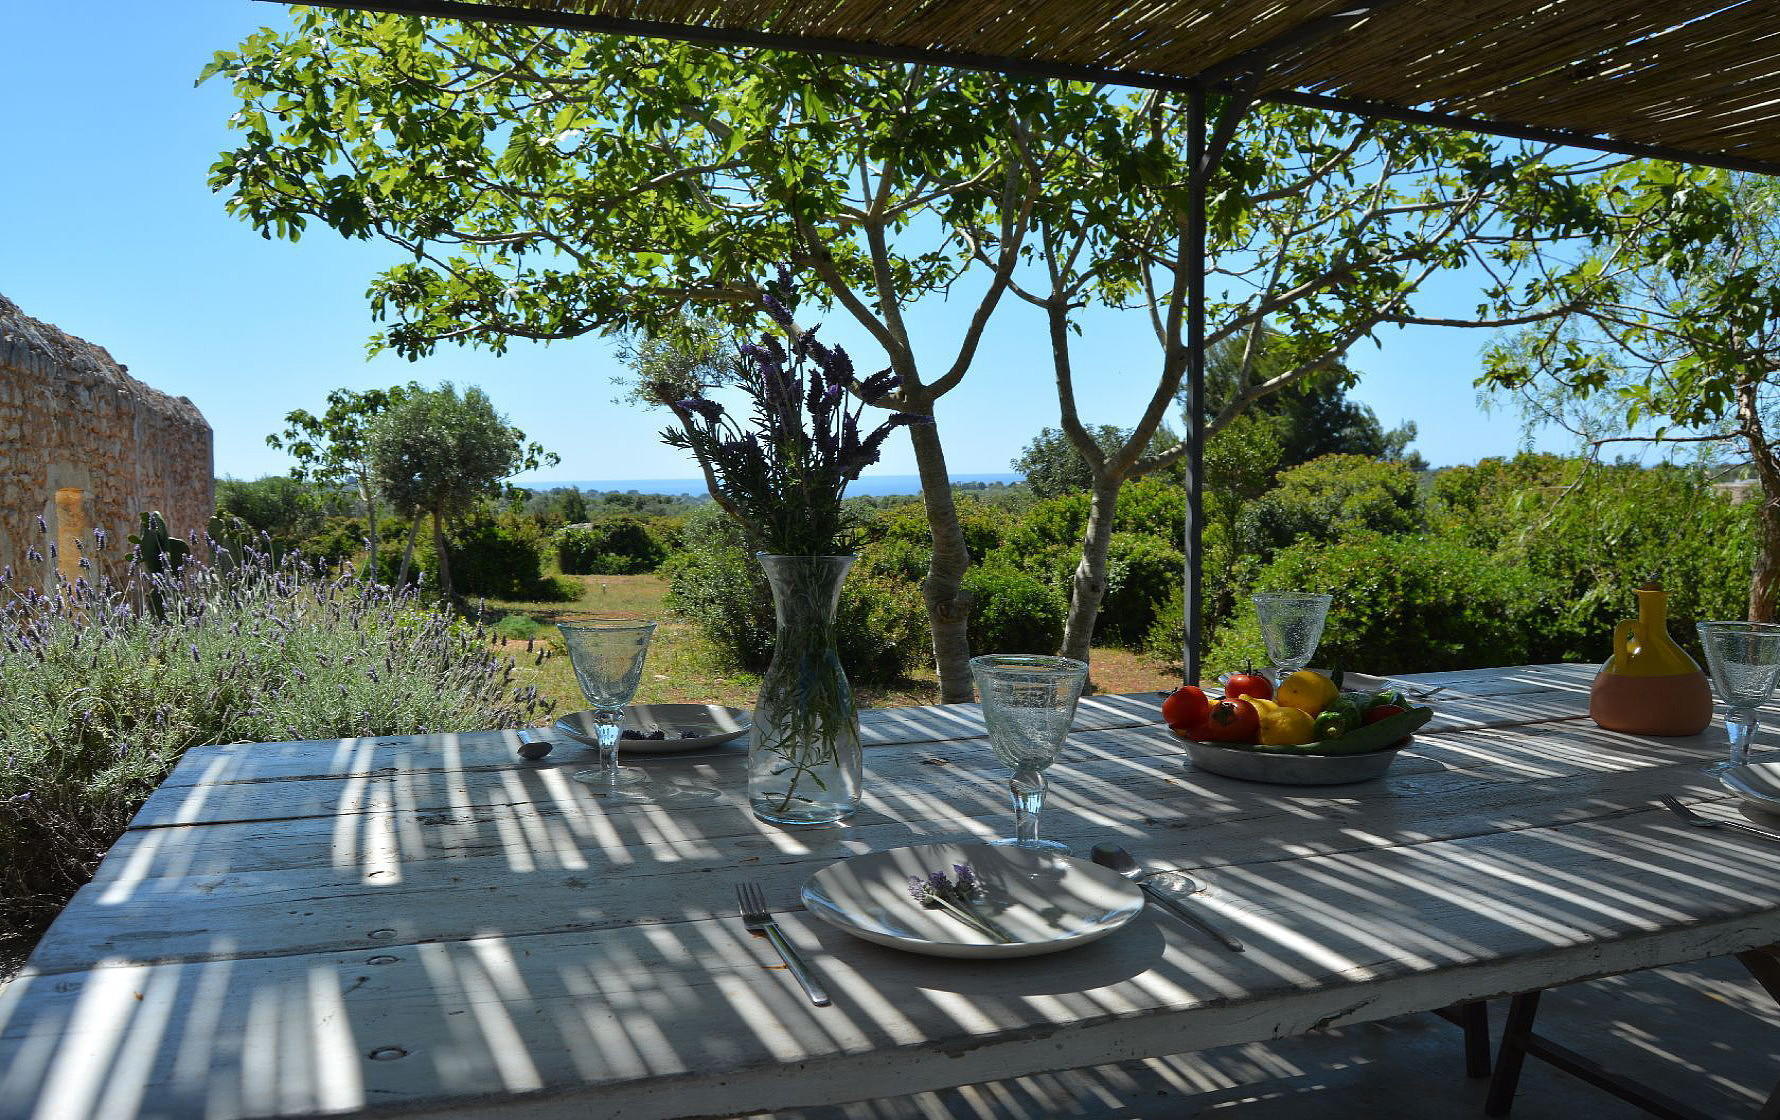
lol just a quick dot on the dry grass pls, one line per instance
(682, 668)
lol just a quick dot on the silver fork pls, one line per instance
(758, 920)
(1698, 821)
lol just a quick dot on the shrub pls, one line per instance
(897, 543)
(718, 585)
(98, 698)
(1330, 498)
(880, 626)
(1141, 573)
(1622, 526)
(1015, 611)
(499, 555)
(612, 546)
(1402, 605)
(880, 629)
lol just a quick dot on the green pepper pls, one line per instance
(1389, 696)
(1332, 724)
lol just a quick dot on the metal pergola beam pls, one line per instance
(1215, 79)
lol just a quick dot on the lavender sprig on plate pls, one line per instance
(957, 898)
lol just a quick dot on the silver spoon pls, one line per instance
(1114, 858)
(1698, 821)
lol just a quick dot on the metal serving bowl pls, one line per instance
(1283, 769)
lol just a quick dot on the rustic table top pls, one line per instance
(425, 925)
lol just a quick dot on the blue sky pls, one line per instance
(112, 234)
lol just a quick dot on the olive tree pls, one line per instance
(435, 454)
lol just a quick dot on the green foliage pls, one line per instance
(1403, 604)
(1142, 571)
(282, 507)
(896, 541)
(502, 556)
(1331, 498)
(1618, 528)
(1015, 612)
(1052, 466)
(437, 452)
(517, 627)
(611, 546)
(880, 626)
(98, 701)
(1497, 501)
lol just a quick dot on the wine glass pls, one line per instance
(1292, 625)
(1745, 662)
(1029, 704)
(607, 655)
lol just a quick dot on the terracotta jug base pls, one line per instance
(1670, 706)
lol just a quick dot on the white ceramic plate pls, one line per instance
(1047, 902)
(1755, 782)
(712, 723)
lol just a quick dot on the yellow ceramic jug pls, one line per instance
(1650, 686)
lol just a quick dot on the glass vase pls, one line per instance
(804, 759)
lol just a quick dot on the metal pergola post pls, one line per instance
(1191, 590)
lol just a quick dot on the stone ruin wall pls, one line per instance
(84, 445)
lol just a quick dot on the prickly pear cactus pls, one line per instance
(161, 553)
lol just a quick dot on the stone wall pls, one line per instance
(84, 445)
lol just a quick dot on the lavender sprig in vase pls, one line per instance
(782, 475)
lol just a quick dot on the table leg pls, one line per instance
(1474, 1018)
(1522, 1009)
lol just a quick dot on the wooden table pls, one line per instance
(423, 925)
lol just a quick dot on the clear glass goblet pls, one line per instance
(1745, 662)
(607, 655)
(1029, 703)
(1292, 625)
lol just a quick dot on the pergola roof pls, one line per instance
(1691, 80)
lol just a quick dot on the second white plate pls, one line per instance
(1047, 902)
(1755, 782)
(711, 724)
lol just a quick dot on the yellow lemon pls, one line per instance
(1307, 691)
(1262, 707)
(1286, 726)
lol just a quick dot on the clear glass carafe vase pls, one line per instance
(804, 760)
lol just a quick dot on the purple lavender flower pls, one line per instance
(710, 410)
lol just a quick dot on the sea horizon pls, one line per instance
(875, 486)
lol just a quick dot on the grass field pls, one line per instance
(681, 666)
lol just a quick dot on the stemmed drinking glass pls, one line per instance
(1745, 662)
(1292, 625)
(1029, 704)
(607, 654)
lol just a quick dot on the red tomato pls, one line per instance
(1382, 711)
(1186, 706)
(1234, 721)
(1247, 683)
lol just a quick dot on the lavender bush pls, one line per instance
(783, 477)
(99, 697)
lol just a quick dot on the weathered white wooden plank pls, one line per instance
(471, 750)
(435, 772)
(1473, 699)
(690, 1017)
(574, 871)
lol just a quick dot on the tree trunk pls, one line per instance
(1087, 587)
(408, 551)
(948, 604)
(1764, 581)
(444, 559)
(369, 494)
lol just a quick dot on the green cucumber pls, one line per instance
(1372, 736)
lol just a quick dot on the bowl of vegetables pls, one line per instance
(1306, 730)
